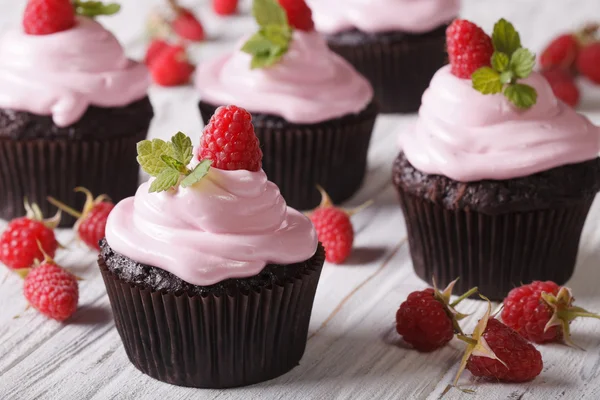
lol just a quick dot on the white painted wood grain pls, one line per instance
(353, 350)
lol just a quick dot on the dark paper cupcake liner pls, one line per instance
(37, 168)
(297, 157)
(215, 341)
(494, 252)
(399, 66)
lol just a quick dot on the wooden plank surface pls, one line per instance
(353, 350)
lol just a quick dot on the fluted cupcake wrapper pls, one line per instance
(213, 341)
(297, 157)
(399, 69)
(494, 252)
(37, 168)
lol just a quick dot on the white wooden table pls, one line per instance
(353, 350)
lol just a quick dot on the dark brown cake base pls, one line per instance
(298, 157)
(235, 333)
(496, 234)
(39, 159)
(399, 65)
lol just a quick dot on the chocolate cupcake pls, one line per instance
(72, 109)
(495, 188)
(211, 277)
(313, 113)
(397, 45)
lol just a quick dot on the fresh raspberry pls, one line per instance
(52, 290)
(560, 53)
(187, 26)
(156, 47)
(18, 243)
(171, 67)
(335, 232)
(521, 362)
(43, 17)
(563, 85)
(225, 7)
(588, 62)
(230, 142)
(469, 48)
(299, 14)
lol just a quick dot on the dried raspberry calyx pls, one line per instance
(444, 297)
(33, 211)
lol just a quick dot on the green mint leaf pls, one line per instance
(269, 12)
(150, 154)
(500, 61)
(165, 180)
(505, 38)
(197, 174)
(268, 45)
(506, 77)
(522, 96)
(182, 145)
(522, 62)
(173, 163)
(95, 8)
(486, 81)
(257, 44)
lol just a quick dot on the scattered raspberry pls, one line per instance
(520, 361)
(588, 62)
(542, 312)
(18, 243)
(299, 14)
(43, 17)
(335, 232)
(560, 53)
(187, 26)
(225, 7)
(230, 142)
(563, 85)
(171, 67)
(52, 290)
(156, 47)
(469, 48)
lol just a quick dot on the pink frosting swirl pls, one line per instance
(310, 84)
(415, 16)
(468, 136)
(63, 73)
(229, 225)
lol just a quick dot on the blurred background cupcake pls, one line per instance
(312, 111)
(397, 44)
(72, 108)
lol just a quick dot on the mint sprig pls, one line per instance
(271, 42)
(95, 8)
(167, 162)
(509, 63)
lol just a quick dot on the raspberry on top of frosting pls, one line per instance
(414, 16)
(286, 72)
(206, 224)
(503, 123)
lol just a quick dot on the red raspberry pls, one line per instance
(156, 47)
(560, 53)
(542, 312)
(230, 142)
(43, 17)
(563, 85)
(335, 232)
(52, 290)
(225, 7)
(520, 361)
(171, 67)
(588, 62)
(469, 48)
(187, 26)
(18, 243)
(299, 14)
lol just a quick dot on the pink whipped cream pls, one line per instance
(63, 73)
(310, 84)
(415, 16)
(228, 225)
(468, 136)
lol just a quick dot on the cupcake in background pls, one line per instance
(397, 44)
(210, 275)
(313, 113)
(497, 177)
(72, 108)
